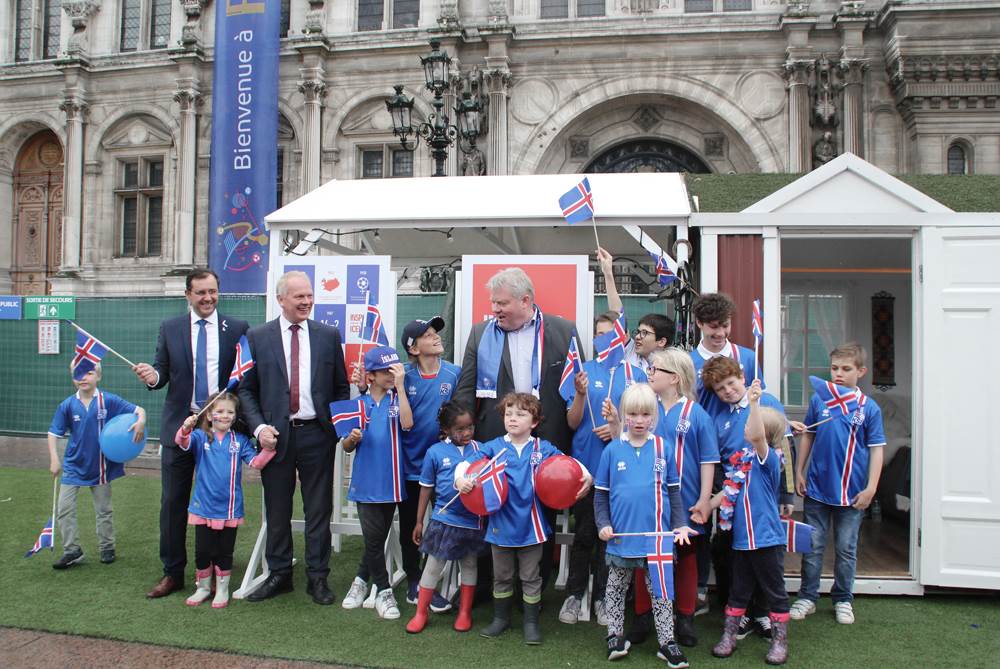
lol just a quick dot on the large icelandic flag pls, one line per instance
(798, 536)
(660, 566)
(373, 331)
(493, 479)
(664, 275)
(347, 415)
(570, 370)
(609, 348)
(834, 396)
(244, 363)
(44, 540)
(89, 351)
(577, 204)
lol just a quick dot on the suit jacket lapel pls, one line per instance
(186, 343)
(313, 349)
(505, 361)
(278, 347)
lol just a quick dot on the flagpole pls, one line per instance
(825, 420)
(110, 350)
(593, 219)
(644, 534)
(361, 348)
(492, 460)
(590, 409)
(756, 357)
(55, 507)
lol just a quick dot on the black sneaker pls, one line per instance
(617, 647)
(68, 560)
(108, 556)
(671, 653)
(762, 626)
(746, 628)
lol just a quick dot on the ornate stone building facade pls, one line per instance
(105, 105)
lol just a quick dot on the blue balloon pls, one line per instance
(116, 440)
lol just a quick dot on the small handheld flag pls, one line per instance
(373, 331)
(89, 351)
(664, 275)
(44, 540)
(660, 566)
(609, 348)
(347, 415)
(798, 536)
(570, 370)
(244, 363)
(758, 334)
(493, 479)
(577, 204)
(834, 396)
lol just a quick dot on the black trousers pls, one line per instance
(761, 570)
(407, 521)
(723, 557)
(214, 547)
(586, 556)
(309, 453)
(376, 521)
(176, 475)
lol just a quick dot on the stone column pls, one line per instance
(189, 100)
(797, 74)
(497, 85)
(313, 91)
(76, 110)
(852, 74)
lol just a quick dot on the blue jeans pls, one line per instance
(846, 522)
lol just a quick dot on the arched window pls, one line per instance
(957, 160)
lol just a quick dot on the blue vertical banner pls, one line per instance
(244, 141)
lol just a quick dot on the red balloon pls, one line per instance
(557, 481)
(473, 500)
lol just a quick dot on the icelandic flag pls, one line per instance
(244, 363)
(570, 370)
(660, 566)
(493, 479)
(758, 322)
(664, 275)
(44, 540)
(89, 351)
(609, 348)
(347, 415)
(834, 396)
(374, 332)
(577, 204)
(798, 536)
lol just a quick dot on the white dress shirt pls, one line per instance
(212, 353)
(521, 344)
(306, 409)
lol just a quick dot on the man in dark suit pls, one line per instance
(194, 356)
(285, 400)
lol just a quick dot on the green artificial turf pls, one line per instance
(108, 601)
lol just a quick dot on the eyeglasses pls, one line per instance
(660, 369)
(639, 334)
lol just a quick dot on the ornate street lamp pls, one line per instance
(437, 131)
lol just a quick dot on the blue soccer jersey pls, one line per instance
(756, 523)
(426, 395)
(689, 433)
(587, 447)
(729, 425)
(520, 521)
(218, 479)
(439, 473)
(629, 474)
(838, 461)
(83, 463)
(377, 470)
(707, 398)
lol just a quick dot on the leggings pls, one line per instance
(434, 567)
(214, 547)
(614, 605)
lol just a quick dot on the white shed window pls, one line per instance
(812, 324)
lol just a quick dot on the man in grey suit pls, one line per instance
(285, 401)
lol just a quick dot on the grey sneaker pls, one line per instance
(600, 613)
(108, 556)
(68, 560)
(570, 611)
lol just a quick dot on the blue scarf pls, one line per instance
(491, 351)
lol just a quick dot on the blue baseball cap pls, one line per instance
(380, 357)
(416, 329)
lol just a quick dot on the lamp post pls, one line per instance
(437, 131)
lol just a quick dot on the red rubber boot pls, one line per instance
(467, 594)
(419, 620)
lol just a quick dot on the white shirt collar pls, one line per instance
(742, 404)
(727, 350)
(285, 323)
(213, 319)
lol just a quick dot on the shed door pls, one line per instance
(960, 451)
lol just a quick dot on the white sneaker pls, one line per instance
(844, 612)
(570, 611)
(801, 608)
(355, 595)
(600, 613)
(702, 607)
(385, 605)
(370, 600)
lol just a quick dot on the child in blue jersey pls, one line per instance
(518, 529)
(454, 533)
(713, 314)
(83, 415)
(753, 480)
(690, 434)
(216, 507)
(377, 483)
(843, 457)
(430, 382)
(638, 491)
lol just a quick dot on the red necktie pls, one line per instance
(293, 373)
